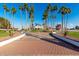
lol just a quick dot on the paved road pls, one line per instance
(34, 46)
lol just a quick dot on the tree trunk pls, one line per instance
(62, 23)
(21, 20)
(26, 20)
(49, 13)
(45, 25)
(31, 25)
(5, 19)
(66, 23)
(13, 22)
(53, 24)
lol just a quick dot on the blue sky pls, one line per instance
(39, 8)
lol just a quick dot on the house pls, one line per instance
(38, 26)
(58, 27)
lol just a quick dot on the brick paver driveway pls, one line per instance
(29, 45)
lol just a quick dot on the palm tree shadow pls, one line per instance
(72, 39)
(57, 42)
(61, 43)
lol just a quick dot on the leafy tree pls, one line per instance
(2, 25)
(77, 27)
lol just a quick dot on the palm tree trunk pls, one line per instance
(49, 19)
(66, 22)
(30, 24)
(21, 20)
(13, 22)
(45, 26)
(11, 32)
(26, 20)
(48, 23)
(5, 19)
(8, 25)
(62, 23)
(53, 23)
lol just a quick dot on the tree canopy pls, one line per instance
(2, 23)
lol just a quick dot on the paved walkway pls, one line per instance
(34, 46)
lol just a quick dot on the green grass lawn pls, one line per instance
(73, 34)
(3, 33)
(37, 30)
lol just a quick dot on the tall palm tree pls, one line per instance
(6, 9)
(49, 13)
(13, 11)
(21, 8)
(68, 11)
(53, 9)
(53, 17)
(31, 15)
(45, 16)
(27, 11)
(63, 12)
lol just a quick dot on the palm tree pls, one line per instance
(21, 8)
(63, 12)
(31, 15)
(26, 10)
(48, 10)
(6, 9)
(68, 11)
(13, 11)
(53, 9)
(45, 16)
(53, 17)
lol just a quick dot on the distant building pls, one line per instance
(58, 27)
(38, 26)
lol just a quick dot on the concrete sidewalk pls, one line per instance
(5, 42)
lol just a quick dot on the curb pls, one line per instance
(11, 40)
